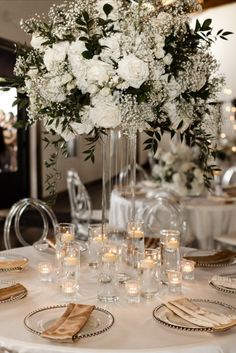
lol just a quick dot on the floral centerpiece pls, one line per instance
(137, 65)
(179, 170)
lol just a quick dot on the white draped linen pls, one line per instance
(205, 218)
(134, 329)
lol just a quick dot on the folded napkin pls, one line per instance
(13, 263)
(224, 281)
(199, 316)
(69, 324)
(216, 258)
(12, 291)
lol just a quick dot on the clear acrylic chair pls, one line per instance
(124, 175)
(164, 213)
(15, 214)
(80, 204)
(229, 176)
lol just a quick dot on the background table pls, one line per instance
(134, 330)
(205, 218)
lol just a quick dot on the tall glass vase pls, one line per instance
(119, 154)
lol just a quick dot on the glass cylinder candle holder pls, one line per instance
(135, 242)
(132, 290)
(68, 287)
(96, 240)
(170, 251)
(45, 269)
(107, 278)
(175, 281)
(64, 232)
(188, 270)
(149, 272)
(71, 264)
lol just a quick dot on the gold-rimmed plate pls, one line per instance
(22, 292)
(39, 320)
(212, 258)
(12, 262)
(167, 318)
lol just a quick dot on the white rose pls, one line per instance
(37, 41)
(105, 115)
(98, 72)
(55, 55)
(133, 70)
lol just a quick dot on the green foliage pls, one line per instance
(94, 136)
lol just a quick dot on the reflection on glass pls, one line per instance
(8, 133)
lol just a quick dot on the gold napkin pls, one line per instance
(222, 256)
(69, 324)
(14, 263)
(12, 291)
(200, 316)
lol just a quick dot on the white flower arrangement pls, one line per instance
(132, 64)
(179, 170)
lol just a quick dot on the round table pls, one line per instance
(134, 329)
(205, 217)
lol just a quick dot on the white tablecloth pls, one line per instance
(205, 218)
(134, 329)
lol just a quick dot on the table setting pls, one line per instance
(166, 290)
(87, 73)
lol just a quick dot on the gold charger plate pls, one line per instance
(12, 262)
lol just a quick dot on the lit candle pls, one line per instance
(188, 269)
(45, 269)
(109, 257)
(175, 281)
(68, 286)
(172, 244)
(147, 264)
(65, 237)
(71, 261)
(98, 239)
(132, 288)
(136, 233)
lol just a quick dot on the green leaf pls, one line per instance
(206, 25)
(107, 8)
(87, 55)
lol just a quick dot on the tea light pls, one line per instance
(136, 233)
(109, 257)
(132, 289)
(45, 269)
(175, 281)
(188, 269)
(68, 286)
(71, 261)
(66, 237)
(147, 264)
(172, 244)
